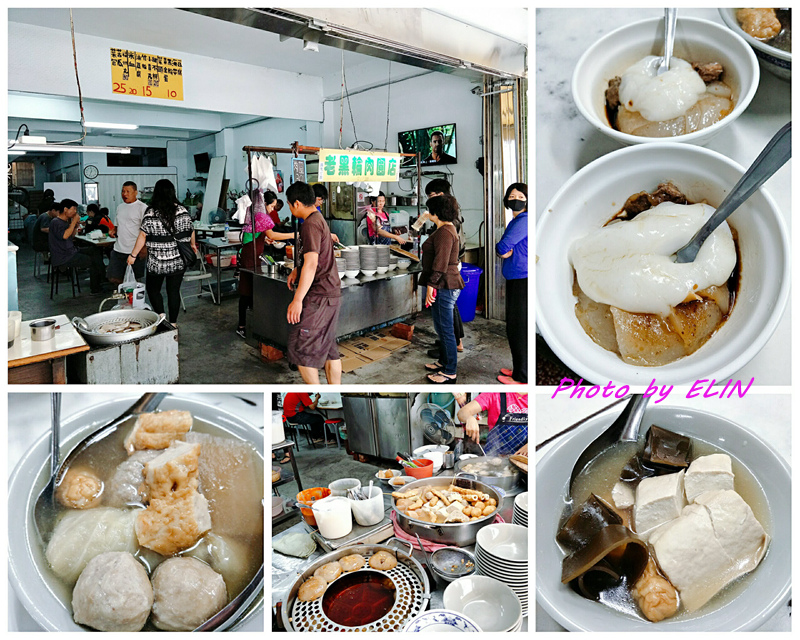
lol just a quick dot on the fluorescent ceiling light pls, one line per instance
(73, 147)
(110, 125)
(13, 152)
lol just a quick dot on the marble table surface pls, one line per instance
(768, 415)
(29, 418)
(565, 142)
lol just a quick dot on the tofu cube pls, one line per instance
(622, 495)
(708, 473)
(658, 500)
(158, 430)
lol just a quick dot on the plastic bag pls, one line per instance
(129, 281)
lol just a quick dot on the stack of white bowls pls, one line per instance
(520, 515)
(501, 552)
(393, 262)
(369, 259)
(351, 262)
(384, 257)
(341, 266)
(492, 605)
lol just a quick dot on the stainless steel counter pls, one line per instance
(368, 302)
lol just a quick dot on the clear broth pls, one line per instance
(103, 457)
(604, 472)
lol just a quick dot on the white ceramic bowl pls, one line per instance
(508, 542)
(352, 273)
(695, 40)
(403, 264)
(29, 573)
(382, 270)
(395, 473)
(770, 582)
(368, 272)
(394, 482)
(521, 501)
(774, 60)
(490, 603)
(598, 191)
(441, 621)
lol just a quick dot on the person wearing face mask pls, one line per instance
(513, 248)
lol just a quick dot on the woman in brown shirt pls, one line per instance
(441, 277)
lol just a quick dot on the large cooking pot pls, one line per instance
(89, 326)
(460, 534)
(413, 592)
(501, 463)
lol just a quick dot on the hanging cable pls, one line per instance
(388, 104)
(341, 105)
(347, 91)
(78, 80)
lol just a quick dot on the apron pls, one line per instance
(510, 432)
(386, 226)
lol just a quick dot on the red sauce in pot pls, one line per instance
(359, 598)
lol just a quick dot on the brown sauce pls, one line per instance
(359, 598)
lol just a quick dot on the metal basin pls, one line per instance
(88, 326)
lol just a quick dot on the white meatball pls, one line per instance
(126, 485)
(187, 593)
(113, 593)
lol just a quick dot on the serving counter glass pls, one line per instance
(368, 302)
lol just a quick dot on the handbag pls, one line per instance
(187, 254)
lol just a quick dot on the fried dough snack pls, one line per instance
(440, 506)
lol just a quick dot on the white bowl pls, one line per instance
(382, 270)
(29, 573)
(508, 542)
(406, 479)
(695, 40)
(489, 602)
(403, 264)
(774, 60)
(352, 273)
(368, 272)
(395, 473)
(598, 191)
(441, 621)
(521, 502)
(770, 582)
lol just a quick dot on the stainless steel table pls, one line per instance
(217, 245)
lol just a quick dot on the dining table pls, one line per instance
(44, 362)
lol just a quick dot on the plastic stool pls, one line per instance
(70, 272)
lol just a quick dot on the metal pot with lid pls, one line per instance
(496, 471)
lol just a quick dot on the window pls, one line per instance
(23, 174)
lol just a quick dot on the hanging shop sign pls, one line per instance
(146, 75)
(336, 165)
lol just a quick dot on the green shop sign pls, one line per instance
(336, 165)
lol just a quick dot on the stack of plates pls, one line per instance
(369, 259)
(520, 515)
(392, 262)
(351, 262)
(384, 257)
(341, 266)
(501, 552)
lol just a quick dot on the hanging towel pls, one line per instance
(241, 208)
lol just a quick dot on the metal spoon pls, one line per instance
(624, 429)
(43, 511)
(670, 20)
(773, 157)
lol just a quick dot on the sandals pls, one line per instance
(506, 372)
(286, 459)
(508, 380)
(440, 378)
(434, 367)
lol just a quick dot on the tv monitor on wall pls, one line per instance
(202, 162)
(436, 145)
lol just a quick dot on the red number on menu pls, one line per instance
(119, 87)
(146, 91)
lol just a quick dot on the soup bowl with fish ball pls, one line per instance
(594, 195)
(46, 598)
(696, 40)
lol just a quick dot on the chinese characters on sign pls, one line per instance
(336, 165)
(146, 75)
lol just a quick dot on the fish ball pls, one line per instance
(113, 593)
(187, 592)
(80, 488)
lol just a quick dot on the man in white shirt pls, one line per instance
(129, 223)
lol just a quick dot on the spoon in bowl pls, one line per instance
(670, 20)
(43, 510)
(773, 157)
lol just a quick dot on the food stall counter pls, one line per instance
(43, 362)
(367, 302)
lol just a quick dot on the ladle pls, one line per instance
(43, 510)
(773, 157)
(624, 429)
(670, 20)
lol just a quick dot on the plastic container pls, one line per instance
(340, 487)
(424, 468)
(368, 512)
(310, 496)
(334, 517)
(468, 298)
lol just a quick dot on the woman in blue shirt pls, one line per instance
(513, 248)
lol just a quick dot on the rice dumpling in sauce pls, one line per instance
(665, 527)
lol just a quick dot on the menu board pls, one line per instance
(338, 165)
(146, 75)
